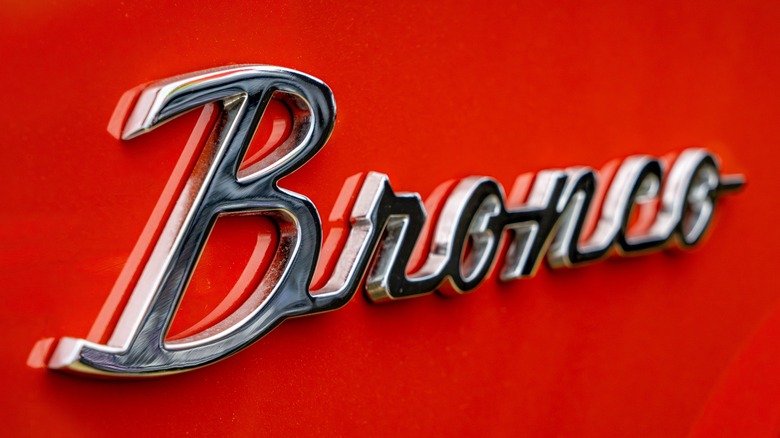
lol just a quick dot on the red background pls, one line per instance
(662, 345)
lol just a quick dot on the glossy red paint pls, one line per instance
(661, 345)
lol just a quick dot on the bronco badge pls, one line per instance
(476, 219)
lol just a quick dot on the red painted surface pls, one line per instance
(660, 345)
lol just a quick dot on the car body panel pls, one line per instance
(657, 345)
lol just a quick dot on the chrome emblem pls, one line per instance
(475, 221)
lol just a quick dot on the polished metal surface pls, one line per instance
(137, 345)
(475, 224)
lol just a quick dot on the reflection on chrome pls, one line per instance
(562, 216)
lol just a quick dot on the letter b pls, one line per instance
(137, 346)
